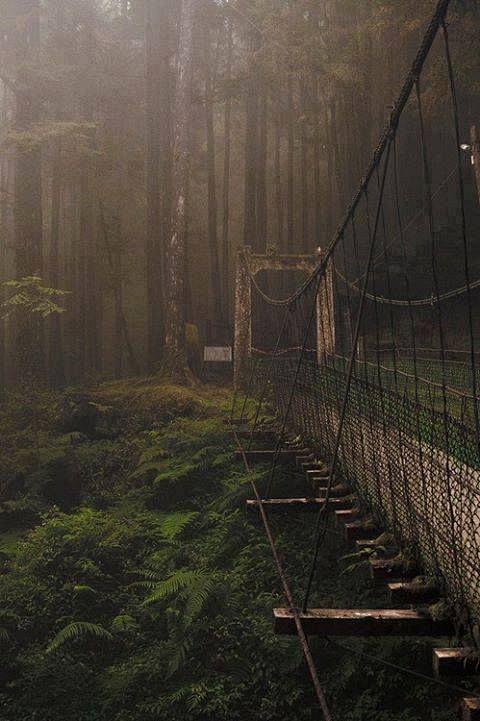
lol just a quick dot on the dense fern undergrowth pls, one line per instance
(135, 586)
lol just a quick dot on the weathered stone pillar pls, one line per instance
(243, 320)
(325, 316)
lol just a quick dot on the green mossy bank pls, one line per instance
(134, 586)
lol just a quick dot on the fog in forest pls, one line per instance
(231, 228)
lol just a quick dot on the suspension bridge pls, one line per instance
(371, 364)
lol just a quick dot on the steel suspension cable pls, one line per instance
(319, 530)
(262, 395)
(402, 100)
(287, 592)
(434, 266)
(294, 384)
(461, 187)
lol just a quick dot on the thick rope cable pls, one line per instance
(413, 221)
(402, 100)
(401, 669)
(426, 381)
(319, 532)
(468, 284)
(286, 591)
(278, 302)
(430, 300)
(294, 384)
(262, 395)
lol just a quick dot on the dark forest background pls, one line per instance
(285, 104)
(143, 143)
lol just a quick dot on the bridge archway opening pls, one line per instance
(274, 278)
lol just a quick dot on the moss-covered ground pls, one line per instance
(134, 585)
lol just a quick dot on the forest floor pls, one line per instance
(134, 585)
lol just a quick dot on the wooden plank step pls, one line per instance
(321, 480)
(312, 465)
(337, 491)
(454, 661)
(362, 622)
(258, 435)
(470, 709)
(412, 592)
(309, 504)
(361, 528)
(317, 473)
(321, 485)
(285, 455)
(385, 569)
(294, 443)
(300, 460)
(347, 515)
(373, 545)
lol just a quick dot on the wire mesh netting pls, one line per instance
(375, 356)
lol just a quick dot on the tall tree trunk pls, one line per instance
(215, 278)
(305, 171)
(56, 368)
(122, 339)
(333, 202)
(290, 168)
(317, 188)
(262, 217)
(28, 191)
(189, 304)
(5, 235)
(175, 356)
(91, 300)
(226, 176)
(251, 149)
(158, 43)
(278, 180)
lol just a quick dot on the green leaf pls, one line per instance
(175, 523)
(32, 296)
(123, 623)
(79, 630)
(179, 581)
(83, 590)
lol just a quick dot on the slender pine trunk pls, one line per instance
(175, 356)
(215, 278)
(278, 180)
(290, 168)
(226, 176)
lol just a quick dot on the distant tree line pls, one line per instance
(144, 141)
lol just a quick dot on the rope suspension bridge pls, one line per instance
(372, 366)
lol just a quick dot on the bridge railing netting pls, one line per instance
(375, 357)
(419, 477)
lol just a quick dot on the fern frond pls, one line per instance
(180, 697)
(4, 636)
(178, 581)
(144, 468)
(178, 473)
(78, 630)
(179, 656)
(198, 597)
(154, 453)
(123, 622)
(147, 585)
(84, 590)
(175, 523)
